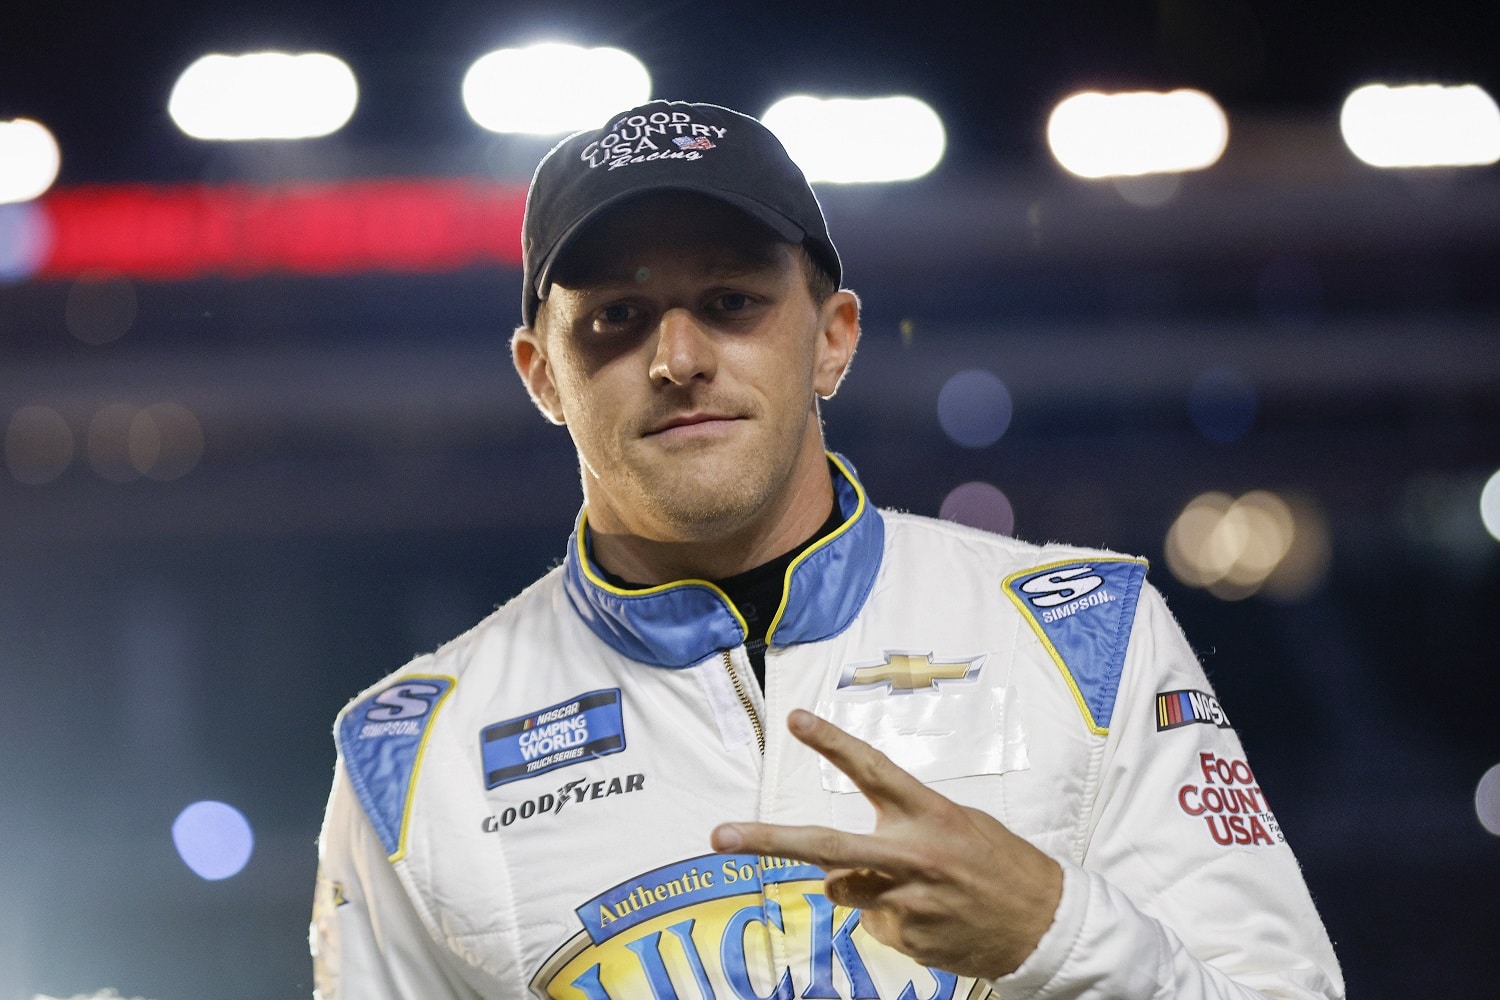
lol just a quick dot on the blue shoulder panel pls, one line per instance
(826, 586)
(1082, 610)
(381, 739)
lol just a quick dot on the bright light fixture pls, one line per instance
(1130, 134)
(264, 95)
(859, 140)
(551, 88)
(1425, 125)
(29, 159)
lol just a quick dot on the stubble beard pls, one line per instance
(693, 496)
(710, 500)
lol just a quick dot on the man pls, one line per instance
(1002, 771)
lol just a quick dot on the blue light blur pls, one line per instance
(214, 839)
(974, 408)
(25, 239)
(1222, 405)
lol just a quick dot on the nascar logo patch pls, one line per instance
(1183, 708)
(570, 732)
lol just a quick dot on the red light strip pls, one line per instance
(352, 227)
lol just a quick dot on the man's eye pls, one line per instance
(617, 314)
(733, 301)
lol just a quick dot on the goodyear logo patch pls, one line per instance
(570, 732)
(732, 925)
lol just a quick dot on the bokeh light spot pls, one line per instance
(1126, 135)
(1421, 125)
(584, 87)
(100, 309)
(214, 839)
(974, 408)
(1258, 543)
(1222, 405)
(165, 441)
(1489, 506)
(1487, 800)
(979, 505)
(264, 95)
(38, 445)
(846, 140)
(29, 160)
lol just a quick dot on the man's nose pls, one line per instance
(684, 349)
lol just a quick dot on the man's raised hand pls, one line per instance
(947, 885)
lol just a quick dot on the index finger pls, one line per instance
(881, 780)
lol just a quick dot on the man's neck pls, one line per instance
(791, 519)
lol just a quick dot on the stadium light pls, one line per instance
(264, 95)
(859, 140)
(1424, 125)
(29, 160)
(1130, 134)
(551, 88)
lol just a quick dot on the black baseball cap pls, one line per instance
(662, 146)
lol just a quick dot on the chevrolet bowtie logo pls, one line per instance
(903, 673)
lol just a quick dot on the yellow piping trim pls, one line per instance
(1036, 626)
(786, 583)
(609, 588)
(416, 766)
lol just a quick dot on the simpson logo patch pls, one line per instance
(1081, 612)
(382, 740)
(1183, 708)
(570, 732)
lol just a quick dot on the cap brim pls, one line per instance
(764, 214)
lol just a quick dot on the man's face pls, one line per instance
(681, 346)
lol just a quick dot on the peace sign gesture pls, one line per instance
(947, 885)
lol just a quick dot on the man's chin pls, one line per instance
(705, 493)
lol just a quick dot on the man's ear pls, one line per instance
(529, 352)
(838, 336)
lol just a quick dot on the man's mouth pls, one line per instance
(684, 423)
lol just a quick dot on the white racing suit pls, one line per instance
(527, 810)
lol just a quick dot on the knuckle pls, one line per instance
(828, 843)
(929, 863)
(913, 939)
(949, 814)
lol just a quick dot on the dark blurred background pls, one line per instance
(237, 494)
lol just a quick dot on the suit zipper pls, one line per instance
(739, 689)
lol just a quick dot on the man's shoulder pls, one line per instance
(1079, 603)
(384, 731)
